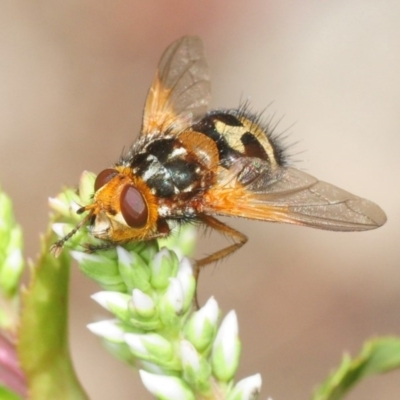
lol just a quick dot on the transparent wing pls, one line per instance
(291, 196)
(181, 90)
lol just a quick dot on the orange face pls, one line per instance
(124, 209)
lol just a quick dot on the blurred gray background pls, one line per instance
(73, 80)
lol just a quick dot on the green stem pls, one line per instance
(43, 333)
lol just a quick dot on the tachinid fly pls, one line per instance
(191, 165)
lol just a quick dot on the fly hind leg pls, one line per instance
(239, 238)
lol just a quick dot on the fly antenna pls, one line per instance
(57, 247)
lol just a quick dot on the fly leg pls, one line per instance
(239, 238)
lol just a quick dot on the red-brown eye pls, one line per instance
(103, 177)
(133, 207)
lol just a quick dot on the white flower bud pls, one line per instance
(166, 387)
(108, 329)
(246, 389)
(142, 303)
(226, 349)
(111, 300)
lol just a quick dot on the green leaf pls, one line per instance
(377, 356)
(11, 264)
(43, 333)
(7, 394)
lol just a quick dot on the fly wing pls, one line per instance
(291, 196)
(181, 89)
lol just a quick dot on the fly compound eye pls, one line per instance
(104, 177)
(133, 207)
